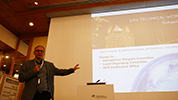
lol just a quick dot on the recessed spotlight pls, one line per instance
(36, 3)
(6, 56)
(4, 65)
(31, 24)
(16, 75)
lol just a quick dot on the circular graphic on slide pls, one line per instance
(159, 75)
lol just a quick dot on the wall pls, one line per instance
(11, 40)
(7, 37)
(1, 56)
(38, 41)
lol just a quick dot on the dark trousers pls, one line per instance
(42, 96)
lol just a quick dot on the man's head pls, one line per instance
(39, 52)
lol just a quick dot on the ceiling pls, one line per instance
(15, 15)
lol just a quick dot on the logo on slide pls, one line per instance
(99, 96)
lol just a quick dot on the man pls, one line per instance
(38, 76)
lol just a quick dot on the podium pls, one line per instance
(95, 92)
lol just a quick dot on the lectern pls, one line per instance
(95, 92)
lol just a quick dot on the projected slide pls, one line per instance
(136, 50)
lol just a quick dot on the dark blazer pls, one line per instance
(29, 76)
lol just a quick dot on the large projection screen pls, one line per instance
(71, 41)
(137, 50)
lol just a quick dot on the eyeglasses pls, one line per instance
(39, 50)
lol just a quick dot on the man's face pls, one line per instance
(39, 52)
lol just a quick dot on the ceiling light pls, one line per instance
(4, 65)
(16, 75)
(31, 24)
(6, 56)
(36, 3)
(16, 70)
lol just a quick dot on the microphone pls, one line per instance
(97, 81)
(39, 63)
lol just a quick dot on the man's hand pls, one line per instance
(37, 68)
(76, 67)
